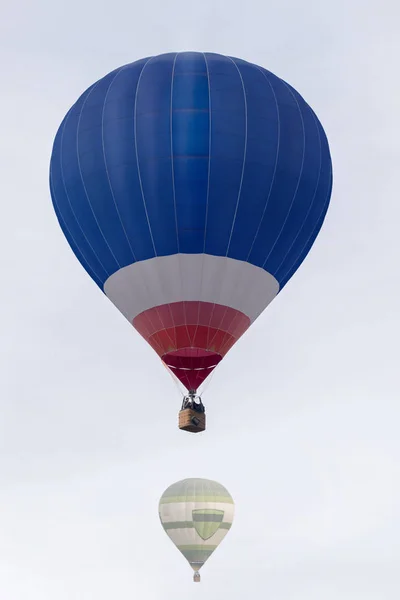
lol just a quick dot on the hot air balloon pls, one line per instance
(196, 514)
(191, 186)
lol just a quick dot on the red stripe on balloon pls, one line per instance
(191, 337)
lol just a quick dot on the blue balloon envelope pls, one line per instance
(191, 187)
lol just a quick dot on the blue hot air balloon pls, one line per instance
(191, 187)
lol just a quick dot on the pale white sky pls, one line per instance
(88, 435)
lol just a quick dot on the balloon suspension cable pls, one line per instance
(202, 389)
(176, 381)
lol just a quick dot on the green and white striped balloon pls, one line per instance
(196, 514)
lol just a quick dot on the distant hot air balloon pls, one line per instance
(191, 187)
(196, 514)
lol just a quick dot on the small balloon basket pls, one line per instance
(196, 577)
(192, 420)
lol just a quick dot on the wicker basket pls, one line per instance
(191, 420)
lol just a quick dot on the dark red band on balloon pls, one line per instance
(191, 337)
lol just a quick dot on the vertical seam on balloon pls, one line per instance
(228, 336)
(172, 152)
(208, 194)
(313, 198)
(147, 311)
(298, 181)
(83, 181)
(163, 349)
(105, 161)
(240, 185)
(202, 542)
(312, 233)
(186, 505)
(174, 197)
(137, 154)
(156, 340)
(61, 217)
(218, 330)
(226, 258)
(175, 341)
(137, 161)
(209, 153)
(276, 163)
(68, 198)
(244, 155)
(216, 492)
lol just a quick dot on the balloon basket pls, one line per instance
(192, 420)
(196, 577)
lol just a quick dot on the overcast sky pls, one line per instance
(88, 416)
